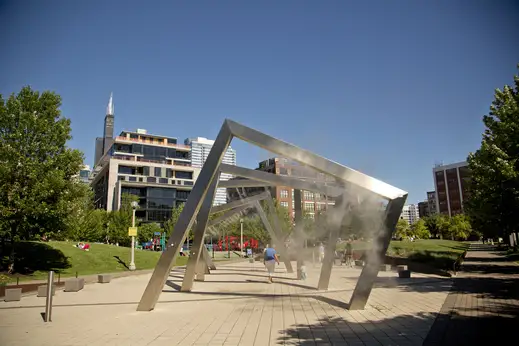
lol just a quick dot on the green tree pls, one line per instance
(37, 185)
(493, 198)
(169, 225)
(146, 231)
(459, 227)
(120, 220)
(402, 229)
(419, 230)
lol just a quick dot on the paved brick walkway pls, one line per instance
(483, 307)
(235, 306)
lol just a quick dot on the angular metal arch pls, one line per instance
(204, 184)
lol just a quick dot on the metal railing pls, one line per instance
(179, 146)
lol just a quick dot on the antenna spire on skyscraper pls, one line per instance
(110, 107)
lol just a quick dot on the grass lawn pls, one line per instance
(438, 253)
(37, 258)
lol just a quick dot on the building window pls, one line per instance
(169, 173)
(183, 175)
(182, 194)
(132, 178)
(284, 204)
(309, 196)
(172, 141)
(146, 171)
(284, 194)
(163, 180)
(188, 183)
(126, 170)
(158, 171)
(121, 177)
(309, 206)
(151, 180)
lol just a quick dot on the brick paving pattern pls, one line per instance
(483, 307)
(234, 306)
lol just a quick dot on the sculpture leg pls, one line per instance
(375, 256)
(207, 257)
(329, 258)
(185, 221)
(298, 216)
(194, 264)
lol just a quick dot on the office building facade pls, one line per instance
(428, 207)
(451, 184)
(154, 168)
(312, 203)
(200, 148)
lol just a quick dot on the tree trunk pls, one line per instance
(10, 268)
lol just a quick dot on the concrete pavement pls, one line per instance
(234, 306)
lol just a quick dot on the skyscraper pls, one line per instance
(200, 148)
(103, 144)
(451, 182)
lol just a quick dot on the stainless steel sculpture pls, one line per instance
(205, 185)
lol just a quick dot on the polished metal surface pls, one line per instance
(314, 161)
(347, 177)
(328, 260)
(377, 254)
(276, 237)
(298, 230)
(198, 240)
(229, 213)
(279, 180)
(167, 259)
(48, 302)
(238, 203)
(229, 184)
(207, 258)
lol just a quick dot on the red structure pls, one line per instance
(234, 243)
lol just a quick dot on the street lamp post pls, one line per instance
(241, 237)
(135, 205)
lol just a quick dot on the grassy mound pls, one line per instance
(437, 253)
(35, 259)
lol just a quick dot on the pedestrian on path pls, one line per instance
(321, 253)
(270, 257)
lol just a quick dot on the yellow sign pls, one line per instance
(132, 231)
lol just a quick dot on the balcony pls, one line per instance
(133, 140)
(141, 159)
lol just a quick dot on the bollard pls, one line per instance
(48, 304)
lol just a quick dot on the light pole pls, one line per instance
(135, 205)
(241, 237)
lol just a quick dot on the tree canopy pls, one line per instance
(493, 198)
(37, 169)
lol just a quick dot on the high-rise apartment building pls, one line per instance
(451, 183)
(428, 207)
(312, 202)
(410, 213)
(200, 148)
(154, 168)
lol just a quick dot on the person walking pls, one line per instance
(321, 253)
(270, 257)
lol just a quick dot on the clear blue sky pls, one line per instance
(385, 87)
